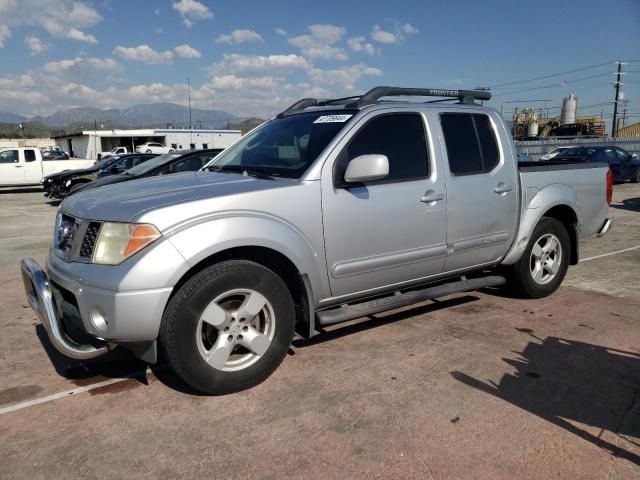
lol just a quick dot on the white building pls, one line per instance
(89, 143)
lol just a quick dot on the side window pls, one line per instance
(471, 143)
(174, 145)
(9, 156)
(29, 155)
(205, 146)
(622, 155)
(192, 146)
(190, 164)
(401, 137)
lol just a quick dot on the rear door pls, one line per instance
(391, 231)
(482, 187)
(11, 167)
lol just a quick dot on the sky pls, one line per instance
(255, 58)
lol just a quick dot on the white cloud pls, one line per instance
(382, 36)
(409, 29)
(192, 11)
(88, 64)
(5, 33)
(60, 18)
(396, 37)
(240, 36)
(344, 78)
(281, 31)
(360, 44)
(243, 65)
(320, 44)
(187, 51)
(36, 45)
(144, 54)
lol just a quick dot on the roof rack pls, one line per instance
(375, 94)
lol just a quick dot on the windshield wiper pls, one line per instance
(252, 171)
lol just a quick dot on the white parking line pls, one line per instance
(609, 254)
(66, 393)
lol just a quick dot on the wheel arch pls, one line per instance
(298, 283)
(569, 218)
(564, 208)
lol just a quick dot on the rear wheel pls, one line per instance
(228, 327)
(148, 151)
(636, 176)
(545, 261)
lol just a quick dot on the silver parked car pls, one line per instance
(331, 211)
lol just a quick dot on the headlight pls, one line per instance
(118, 241)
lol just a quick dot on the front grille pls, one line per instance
(89, 240)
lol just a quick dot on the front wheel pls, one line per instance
(228, 327)
(148, 151)
(636, 176)
(545, 261)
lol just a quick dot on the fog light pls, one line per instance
(99, 319)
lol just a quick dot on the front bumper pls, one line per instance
(40, 297)
(605, 227)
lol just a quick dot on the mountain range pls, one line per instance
(144, 115)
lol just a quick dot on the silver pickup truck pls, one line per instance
(333, 210)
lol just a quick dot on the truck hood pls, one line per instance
(122, 202)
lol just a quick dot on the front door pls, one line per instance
(11, 168)
(482, 200)
(32, 167)
(390, 231)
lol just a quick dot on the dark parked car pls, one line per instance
(58, 185)
(124, 163)
(185, 161)
(624, 165)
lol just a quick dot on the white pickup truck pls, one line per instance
(25, 166)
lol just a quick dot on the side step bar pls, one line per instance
(351, 311)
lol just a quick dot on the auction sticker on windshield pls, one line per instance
(333, 118)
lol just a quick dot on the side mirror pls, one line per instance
(367, 168)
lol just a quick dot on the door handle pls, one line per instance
(18, 166)
(431, 197)
(502, 188)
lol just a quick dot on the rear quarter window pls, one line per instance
(472, 146)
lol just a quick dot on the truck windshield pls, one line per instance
(284, 147)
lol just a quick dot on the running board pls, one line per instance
(356, 310)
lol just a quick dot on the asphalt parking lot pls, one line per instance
(474, 385)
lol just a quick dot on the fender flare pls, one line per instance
(536, 203)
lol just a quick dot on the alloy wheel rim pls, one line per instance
(546, 259)
(235, 330)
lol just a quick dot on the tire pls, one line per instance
(209, 324)
(636, 176)
(533, 276)
(171, 151)
(148, 151)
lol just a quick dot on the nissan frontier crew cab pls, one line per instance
(333, 210)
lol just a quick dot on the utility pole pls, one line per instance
(625, 104)
(615, 101)
(190, 127)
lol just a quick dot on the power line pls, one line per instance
(517, 82)
(554, 85)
